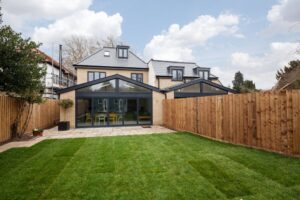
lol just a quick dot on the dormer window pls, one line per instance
(177, 74)
(203, 74)
(122, 51)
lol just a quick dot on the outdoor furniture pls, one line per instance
(100, 117)
(119, 118)
(144, 117)
(88, 118)
(113, 117)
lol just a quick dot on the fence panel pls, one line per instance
(267, 120)
(43, 115)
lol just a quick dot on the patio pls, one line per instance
(53, 133)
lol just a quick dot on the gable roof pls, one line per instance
(116, 76)
(99, 59)
(49, 60)
(160, 67)
(288, 79)
(199, 80)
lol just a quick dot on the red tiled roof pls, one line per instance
(48, 59)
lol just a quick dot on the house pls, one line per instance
(290, 80)
(164, 74)
(117, 88)
(52, 81)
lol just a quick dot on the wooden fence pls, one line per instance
(267, 120)
(43, 115)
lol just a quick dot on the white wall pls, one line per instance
(151, 75)
(49, 71)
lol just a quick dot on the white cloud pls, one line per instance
(243, 60)
(178, 42)
(260, 69)
(85, 23)
(284, 17)
(50, 21)
(17, 12)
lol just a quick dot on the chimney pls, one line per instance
(60, 64)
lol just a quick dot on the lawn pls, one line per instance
(162, 166)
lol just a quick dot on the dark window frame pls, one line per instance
(137, 79)
(122, 55)
(124, 97)
(177, 79)
(116, 90)
(181, 90)
(203, 72)
(94, 72)
(219, 90)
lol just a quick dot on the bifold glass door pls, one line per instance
(144, 111)
(130, 111)
(100, 108)
(84, 112)
(113, 111)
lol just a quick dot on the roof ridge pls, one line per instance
(138, 57)
(89, 56)
(158, 60)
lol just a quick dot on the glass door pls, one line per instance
(130, 111)
(115, 111)
(84, 112)
(145, 111)
(100, 109)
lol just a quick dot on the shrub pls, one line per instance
(66, 103)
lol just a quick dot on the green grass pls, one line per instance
(162, 166)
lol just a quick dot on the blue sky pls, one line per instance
(255, 37)
(143, 19)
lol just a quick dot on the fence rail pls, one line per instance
(43, 115)
(267, 120)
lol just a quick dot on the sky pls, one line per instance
(255, 37)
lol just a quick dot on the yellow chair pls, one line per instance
(113, 117)
(88, 118)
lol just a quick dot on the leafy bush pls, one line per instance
(66, 103)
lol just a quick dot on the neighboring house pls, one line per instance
(117, 88)
(289, 80)
(51, 80)
(164, 74)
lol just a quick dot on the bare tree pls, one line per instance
(1, 21)
(76, 48)
(298, 48)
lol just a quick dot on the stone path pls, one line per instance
(87, 132)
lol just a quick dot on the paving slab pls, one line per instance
(53, 133)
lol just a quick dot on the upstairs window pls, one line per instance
(137, 77)
(96, 75)
(177, 74)
(122, 52)
(203, 75)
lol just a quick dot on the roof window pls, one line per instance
(106, 53)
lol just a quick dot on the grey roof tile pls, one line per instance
(98, 59)
(160, 67)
